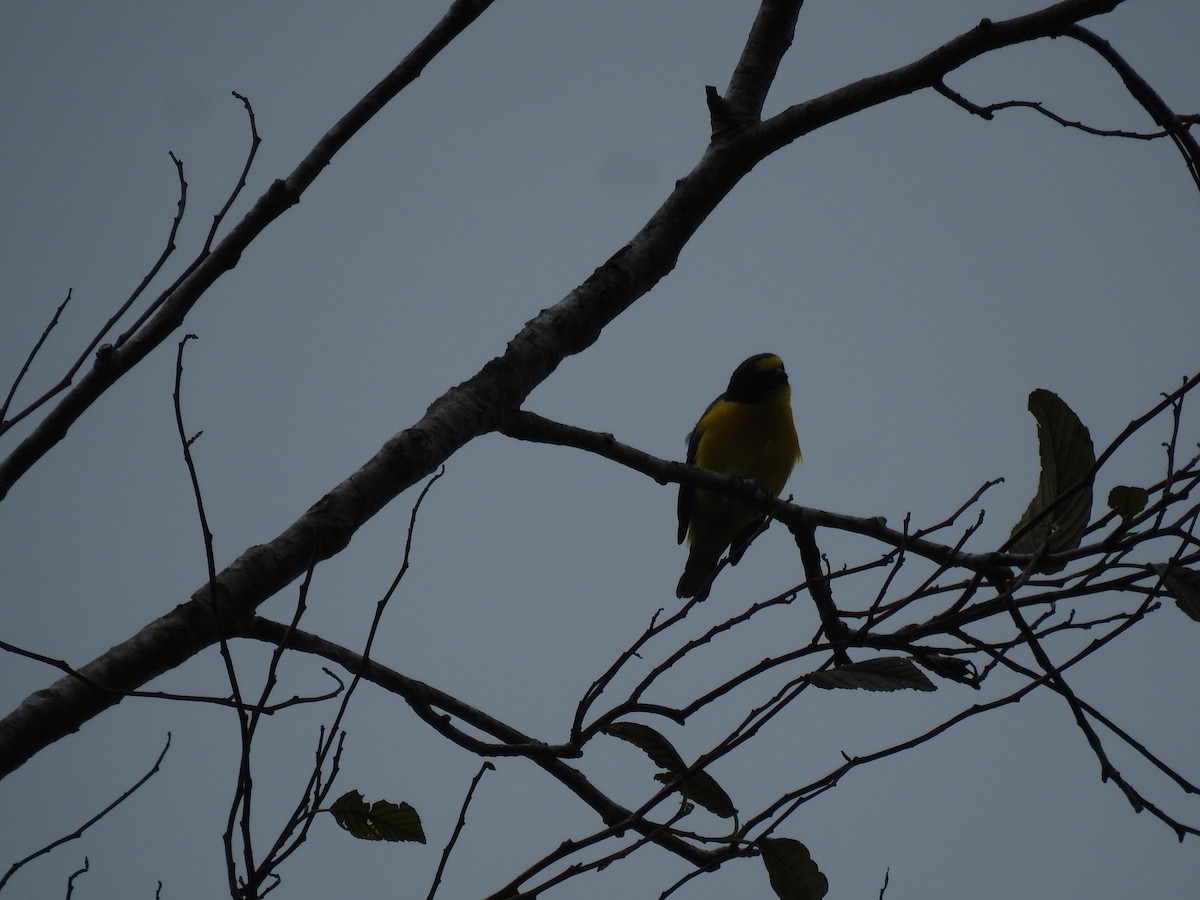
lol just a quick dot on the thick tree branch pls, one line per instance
(769, 39)
(926, 72)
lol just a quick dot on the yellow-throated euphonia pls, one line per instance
(748, 431)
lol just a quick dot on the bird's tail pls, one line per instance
(697, 576)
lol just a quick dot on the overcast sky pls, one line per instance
(919, 270)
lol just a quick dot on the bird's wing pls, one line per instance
(687, 493)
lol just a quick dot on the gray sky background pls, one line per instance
(919, 270)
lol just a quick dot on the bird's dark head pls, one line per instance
(756, 378)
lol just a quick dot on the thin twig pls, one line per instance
(82, 870)
(205, 251)
(78, 832)
(458, 827)
(1143, 93)
(266, 710)
(5, 424)
(65, 381)
(988, 112)
(597, 687)
(1140, 748)
(295, 831)
(269, 682)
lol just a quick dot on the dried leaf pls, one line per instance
(1067, 457)
(1127, 501)
(1184, 585)
(793, 874)
(887, 673)
(379, 821)
(699, 787)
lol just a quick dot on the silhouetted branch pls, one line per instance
(513, 890)
(6, 423)
(1143, 93)
(82, 870)
(1183, 783)
(162, 298)
(295, 831)
(267, 709)
(65, 381)
(78, 832)
(529, 426)
(988, 112)
(458, 827)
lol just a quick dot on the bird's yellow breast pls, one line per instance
(751, 440)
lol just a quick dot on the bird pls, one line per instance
(748, 431)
